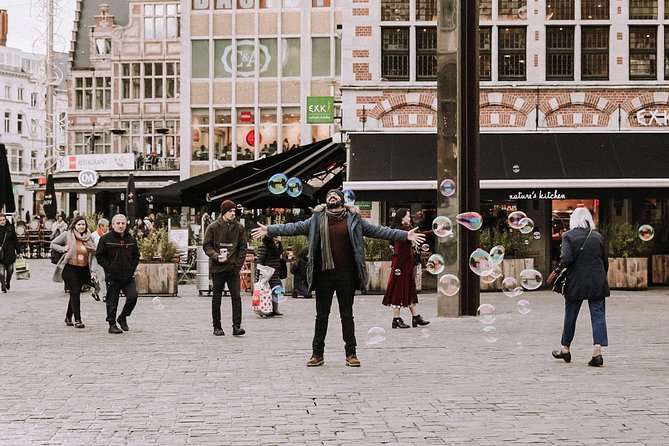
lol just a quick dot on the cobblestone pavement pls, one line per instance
(169, 381)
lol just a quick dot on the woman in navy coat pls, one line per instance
(584, 253)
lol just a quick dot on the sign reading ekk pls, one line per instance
(101, 162)
(320, 109)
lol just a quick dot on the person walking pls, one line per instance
(336, 264)
(269, 254)
(225, 245)
(584, 253)
(74, 267)
(299, 270)
(58, 227)
(401, 288)
(97, 272)
(118, 255)
(9, 249)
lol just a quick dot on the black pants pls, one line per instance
(75, 277)
(301, 286)
(218, 283)
(326, 284)
(114, 288)
(6, 271)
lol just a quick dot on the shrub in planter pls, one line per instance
(157, 244)
(378, 249)
(513, 242)
(623, 241)
(148, 248)
(628, 264)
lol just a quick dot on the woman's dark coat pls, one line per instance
(269, 254)
(11, 246)
(588, 267)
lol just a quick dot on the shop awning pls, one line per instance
(180, 193)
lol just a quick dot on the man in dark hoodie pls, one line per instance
(225, 245)
(118, 254)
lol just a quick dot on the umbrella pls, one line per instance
(131, 199)
(50, 205)
(6, 188)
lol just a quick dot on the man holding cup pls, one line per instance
(225, 245)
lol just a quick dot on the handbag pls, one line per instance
(416, 257)
(20, 264)
(557, 279)
(55, 256)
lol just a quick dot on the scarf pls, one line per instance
(327, 262)
(72, 237)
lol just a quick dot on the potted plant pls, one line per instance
(157, 271)
(628, 257)
(517, 253)
(378, 257)
(660, 257)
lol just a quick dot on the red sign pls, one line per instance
(41, 181)
(251, 138)
(245, 116)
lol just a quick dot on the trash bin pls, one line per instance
(203, 282)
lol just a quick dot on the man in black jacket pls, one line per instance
(118, 255)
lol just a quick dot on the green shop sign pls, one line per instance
(320, 109)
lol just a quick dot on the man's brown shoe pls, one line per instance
(352, 361)
(315, 361)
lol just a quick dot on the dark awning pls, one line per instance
(181, 192)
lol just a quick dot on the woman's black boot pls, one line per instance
(399, 323)
(418, 320)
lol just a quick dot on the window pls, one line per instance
(643, 52)
(594, 52)
(172, 76)
(666, 52)
(161, 21)
(426, 10)
(643, 9)
(103, 46)
(666, 9)
(560, 10)
(19, 93)
(103, 93)
(595, 9)
(320, 3)
(426, 54)
(485, 9)
(559, 53)
(320, 56)
(87, 89)
(157, 76)
(512, 53)
(130, 83)
(485, 56)
(223, 67)
(512, 10)
(291, 128)
(268, 58)
(33, 100)
(87, 143)
(395, 54)
(223, 134)
(15, 159)
(8, 92)
(8, 122)
(19, 123)
(394, 10)
(200, 134)
(291, 57)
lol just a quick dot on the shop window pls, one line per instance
(595, 52)
(394, 10)
(268, 132)
(643, 52)
(560, 10)
(512, 53)
(559, 53)
(512, 10)
(291, 128)
(320, 132)
(200, 134)
(485, 55)
(595, 9)
(246, 135)
(643, 9)
(200, 57)
(222, 134)
(666, 52)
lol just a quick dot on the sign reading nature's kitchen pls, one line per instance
(101, 162)
(320, 109)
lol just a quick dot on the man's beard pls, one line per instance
(333, 205)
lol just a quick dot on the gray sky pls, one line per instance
(27, 24)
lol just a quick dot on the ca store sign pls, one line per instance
(88, 178)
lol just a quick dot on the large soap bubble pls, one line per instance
(480, 263)
(435, 264)
(294, 187)
(470, 220)
(277, 183)
(511, 288)
(449, 284)
(442, 227)
(515, 218)
(497, 254)
(486, 314)
(447, 187)
(530, 279)
(646, 233)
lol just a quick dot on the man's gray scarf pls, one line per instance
(326, 251)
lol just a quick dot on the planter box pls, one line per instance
(378, 273)
(511, 268)
(660, 269)
(630, 273)
(157, 279)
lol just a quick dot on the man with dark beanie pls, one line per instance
(225, 245)
(336, 263)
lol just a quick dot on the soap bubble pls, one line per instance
(240, 208)
(486, 314)
(497, 254)
(279, 294)
(470, 220)
(425, 333)
(490, 334)
(536, 235)
(496, 271)
(511, 288)
(488, 278)
(349, 197)
(435, 264)
(447, 187)
(526, 225)
(646, 232)
(442, 226)
(516, 168)
(519, 344)
(523, 306)
(277, 183)
(398, 272)
(449, 284)
(295, 187)
(480, 263)
(375, 335)
(158, 303)
(530, 279)
(515, 218)
(425, 247)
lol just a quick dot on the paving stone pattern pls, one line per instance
(169, 381)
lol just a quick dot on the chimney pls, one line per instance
(4, 23)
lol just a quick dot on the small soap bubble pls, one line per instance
(376, 335)
(496, 271)
(435, 264)
(526, 225)
(515, 218)
(520, 345)
(277, 183)
(536, 235)
(646, 233)
(158, 303)
(480, 263)
(486, 314)
(488, 278)
(279, 294)
(516, 168)
(497, 254)
(447, 187)
(442, 226)
(295, 187)
(349, 197)
(490, 334)
(425, 333)
(470, 220)
(240, 207)
(511, 288)
(523, 306)
(531, 279)
(449, 284)
(398, 272)
(425, 247)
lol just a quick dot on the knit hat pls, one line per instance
(336, 191)
(227, 205)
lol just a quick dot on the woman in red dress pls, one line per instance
(401, 289)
